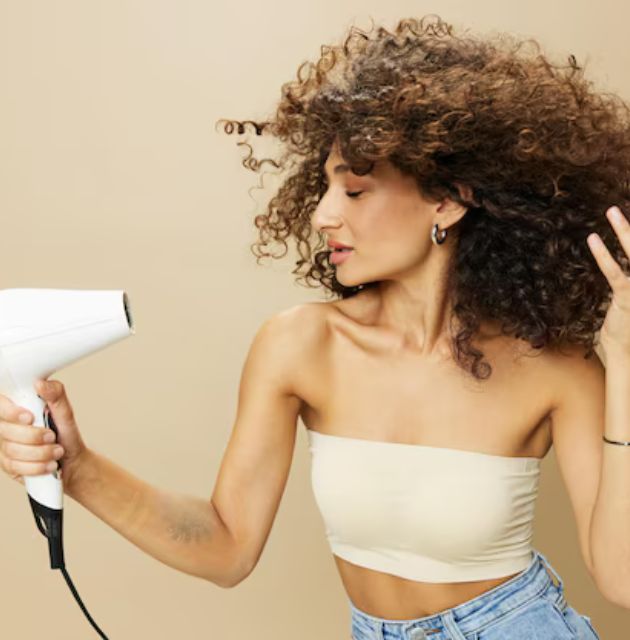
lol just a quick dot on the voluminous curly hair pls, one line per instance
(542, 153)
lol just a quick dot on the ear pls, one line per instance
(466, 192)
(453, 211)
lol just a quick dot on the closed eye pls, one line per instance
(353, 194)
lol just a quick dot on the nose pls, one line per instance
(324, 217)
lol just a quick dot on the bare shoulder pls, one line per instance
(574, 374)
(303, 325)
(293, 338)
(573, 358)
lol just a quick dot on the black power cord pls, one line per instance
(50, 523)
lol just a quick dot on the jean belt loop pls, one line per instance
(552, 570)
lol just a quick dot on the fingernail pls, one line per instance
(25, 418)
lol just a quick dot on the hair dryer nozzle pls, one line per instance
(128, 312)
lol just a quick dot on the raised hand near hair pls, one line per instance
(26, 450)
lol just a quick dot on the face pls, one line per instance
(382, 215)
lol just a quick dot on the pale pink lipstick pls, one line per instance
(340, 255)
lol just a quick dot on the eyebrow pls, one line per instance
(340, 168)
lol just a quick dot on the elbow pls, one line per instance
(239, 576)
(226, 585)
(224, 582)
(234, 577)
(231, 584)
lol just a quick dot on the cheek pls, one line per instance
(391, 224)
(398, 248)
(395, 232)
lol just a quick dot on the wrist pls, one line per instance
(73, 471)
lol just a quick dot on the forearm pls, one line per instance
(610, 525)
(183, 532)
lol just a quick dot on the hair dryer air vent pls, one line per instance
(128, 312)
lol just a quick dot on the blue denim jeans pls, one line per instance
(529, 606)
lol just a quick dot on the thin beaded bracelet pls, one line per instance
(626, 444)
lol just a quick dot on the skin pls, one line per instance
(389, 225)
(401, 328)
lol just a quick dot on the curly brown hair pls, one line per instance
(542, 154)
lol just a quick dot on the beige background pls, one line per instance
(113, 177)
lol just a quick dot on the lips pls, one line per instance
(338, 245)
(337, 256)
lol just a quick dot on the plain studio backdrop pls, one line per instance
(113, 176)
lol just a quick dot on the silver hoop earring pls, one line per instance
(434, 235)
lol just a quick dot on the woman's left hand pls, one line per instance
(615, 332)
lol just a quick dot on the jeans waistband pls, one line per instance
(483, 609)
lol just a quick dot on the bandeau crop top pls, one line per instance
(424, 513)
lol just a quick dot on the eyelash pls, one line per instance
(350, 194)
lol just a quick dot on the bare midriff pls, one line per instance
(393, 598)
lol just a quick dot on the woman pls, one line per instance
(465, 180)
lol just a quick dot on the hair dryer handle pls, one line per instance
(46, 489)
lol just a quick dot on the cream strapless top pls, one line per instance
(424, 513)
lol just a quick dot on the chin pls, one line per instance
(351, 282)
(347, 282)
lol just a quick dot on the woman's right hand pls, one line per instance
(23, 448)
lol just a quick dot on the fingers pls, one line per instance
(607, 264)
(14, 467)
(31, 453)
(620, 226)
(24, 433)
(23, 451)
(11, 411)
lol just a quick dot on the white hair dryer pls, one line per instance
(42, 331)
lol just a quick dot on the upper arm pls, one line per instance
(257, 459)
(577, 427)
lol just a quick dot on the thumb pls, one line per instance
(54, 394)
